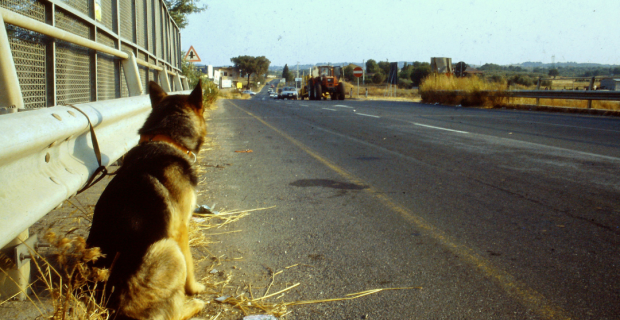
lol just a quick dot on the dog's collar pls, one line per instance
(164, 138)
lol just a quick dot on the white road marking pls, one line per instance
(367, 115)
(438, 128)
(343, 106)
(329, 109)
(304, 105)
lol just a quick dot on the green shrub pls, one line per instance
(522, 80)
(405, 83)
(378, 78)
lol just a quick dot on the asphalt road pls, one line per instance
(495, 214)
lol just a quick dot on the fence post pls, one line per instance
(590, 89)
(11, 93)
(132, 76)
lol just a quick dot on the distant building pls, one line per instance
(441, 65)
(610, 84)
(228, 77)
(208, 70)
(227, 72)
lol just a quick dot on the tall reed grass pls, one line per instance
(442, 89)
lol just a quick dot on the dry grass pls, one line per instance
(570, 84)
(233, 94)
(442, 89)
(68, 280)
(250, 303)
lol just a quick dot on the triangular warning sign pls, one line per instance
(191, 55)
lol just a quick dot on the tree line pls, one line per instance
(409, 75)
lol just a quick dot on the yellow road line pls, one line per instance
(527, 296)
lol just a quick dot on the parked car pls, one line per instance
(288, 93)
(273, 95)
(250, 92)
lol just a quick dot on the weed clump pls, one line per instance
(73, 293)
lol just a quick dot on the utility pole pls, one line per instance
(363, 71)
(297, 75)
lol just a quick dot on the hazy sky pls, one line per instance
(474, 31)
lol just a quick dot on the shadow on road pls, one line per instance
(327, 184)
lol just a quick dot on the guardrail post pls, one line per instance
(17, 278)
(163, 79)
(177, 82)
(11, 93)
(185, 84)
(132, 76)
(538, 88)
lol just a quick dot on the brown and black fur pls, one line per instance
(141, 220)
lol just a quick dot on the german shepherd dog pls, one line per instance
(141, 220)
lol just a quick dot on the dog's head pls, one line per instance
(180, 117)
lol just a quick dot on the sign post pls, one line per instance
(358, 72)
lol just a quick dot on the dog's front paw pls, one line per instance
(194, 288)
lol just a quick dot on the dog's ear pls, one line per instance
(195, 98)
(156, 93)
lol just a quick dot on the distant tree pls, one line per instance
(515, 68)
(348, 73)
(378, 77)
(554, 73)
(459, 69)
(419, 73)
(371, 66)
(616, 71)
(497, 78)
(490, 67)
(262, 65)
(249, 65)
(179, 9)
(384, 66)
(405, 72)
(522, 80)
(285, 72)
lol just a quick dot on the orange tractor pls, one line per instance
(321, 83)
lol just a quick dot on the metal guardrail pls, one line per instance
(46, 155)
(558, 94)
(589, 95)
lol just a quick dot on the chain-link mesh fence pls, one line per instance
(56, 72)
